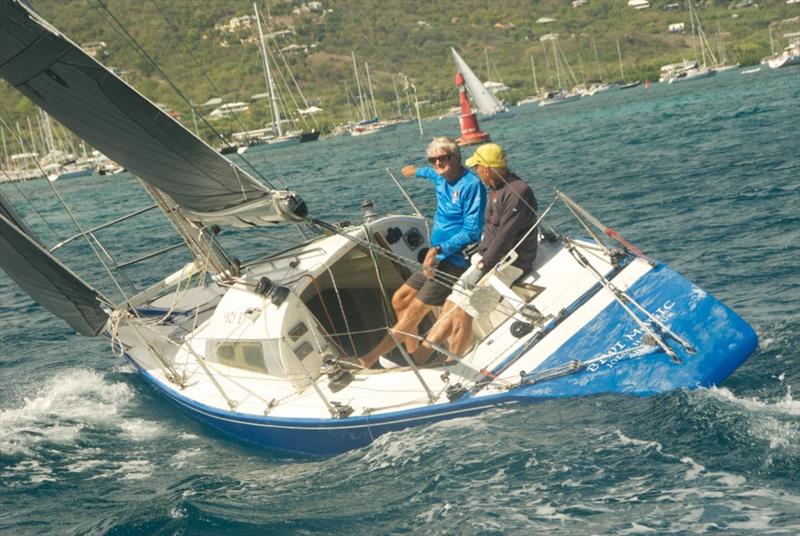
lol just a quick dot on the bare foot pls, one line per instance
(368, 363)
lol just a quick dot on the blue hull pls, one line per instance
(721, 340)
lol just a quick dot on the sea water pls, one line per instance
(704, 176)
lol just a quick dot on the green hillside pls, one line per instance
(394, 36)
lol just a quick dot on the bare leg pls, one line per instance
(400, 301)
(438, 334)
(408, 321)
(402, 298)
(461, 337)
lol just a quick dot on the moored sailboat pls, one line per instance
(265, 351)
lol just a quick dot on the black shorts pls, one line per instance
(435, 291)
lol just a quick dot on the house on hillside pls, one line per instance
(94, 48)
(678, 27)
(639, 4)
(228, 109)
(235, 23)
(293, 48)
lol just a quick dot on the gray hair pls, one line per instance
(443, 144)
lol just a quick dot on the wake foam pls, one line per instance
(61, 410)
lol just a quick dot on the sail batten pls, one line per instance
(110, 115)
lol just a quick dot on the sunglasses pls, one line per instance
(440, 158)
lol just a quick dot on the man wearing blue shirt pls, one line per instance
(458, 222)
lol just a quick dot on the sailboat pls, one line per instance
(538, 95)
(264, 351)
(487, 104)
(491, 85)
(623, 84)
(692, 69)
(790, 55)
(723, 64)
(278, 137)
(561, 65)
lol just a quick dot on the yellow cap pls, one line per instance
(488, 155)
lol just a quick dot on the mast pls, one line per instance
(371, 95)
(6, 161)
(694, 38)
(34, 144)
(533, 70)
(558, 66)
(273, 98)
(397, 98)
(771, 42)
(621, 72)
(548, 74)
(360, 94)
(596, 61)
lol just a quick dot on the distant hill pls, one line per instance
(206, 55)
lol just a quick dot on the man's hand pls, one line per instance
(409, 171)
(430, 263)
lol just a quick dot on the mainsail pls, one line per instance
(486, 103)
(113, 117)
(42, 276)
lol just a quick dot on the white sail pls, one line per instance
(484, 100)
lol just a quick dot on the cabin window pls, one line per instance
(248, 355)
(303, 350)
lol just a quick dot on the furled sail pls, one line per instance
(113, 117)
(48, 281)
(486, 103)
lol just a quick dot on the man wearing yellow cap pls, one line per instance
(511, 213)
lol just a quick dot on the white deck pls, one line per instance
(375, 391)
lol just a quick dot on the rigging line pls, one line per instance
(88, 241)
(179, 225)
(623, 299)
(16, 186)
(408, 198)
(288, 89)
(85, 236)
(331, 335)
(22, 146)
(410, 362)
(291, 74)
(359, 29)
(341, 308)
(121, 30)
(113, 262)
(385, 300)
(439, 276)
(626, 298)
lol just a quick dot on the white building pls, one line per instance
(678, 27)
(228, 109)
(639, 4)
(93, 48)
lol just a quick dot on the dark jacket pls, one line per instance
(510, 213)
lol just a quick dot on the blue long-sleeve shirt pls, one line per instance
(459, 214)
